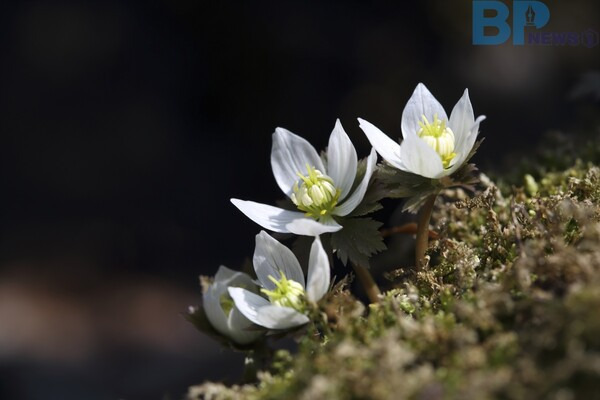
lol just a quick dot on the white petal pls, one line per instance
(319, 273)
(289, 155)
(261, 312)
(467, 145)
(248, 303)
(271, 258)
(241, 329)
(386, 147)
(211, 301)
(341, 160)
(461, 121)
(421, 159)
(420, 103)
(472, 136)
(227, 277)
(359, 193)
(225, 274)
(279, 220)
(309, 227)
(276, 317)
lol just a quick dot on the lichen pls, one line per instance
(507, 308)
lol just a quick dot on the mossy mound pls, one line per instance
(508, 308)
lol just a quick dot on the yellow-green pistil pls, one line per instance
(439, 137)
(226, 303)
(287, 293)
(316, 195)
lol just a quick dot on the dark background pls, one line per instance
(125, 127)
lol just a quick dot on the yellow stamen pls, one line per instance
(316, 195)
(439, 137)
(287, 293)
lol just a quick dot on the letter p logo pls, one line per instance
(528, 13)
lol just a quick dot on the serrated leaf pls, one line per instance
(371, 202)
(474, 150)
(402, 184)
(414, 203)
(466, 176)
(358, 241)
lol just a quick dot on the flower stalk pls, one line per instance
(410, 229)
(423, 231)
(368, 283)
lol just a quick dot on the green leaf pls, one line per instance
(414, 203)
(358, 240)
(474, 150)
(465, 176)
(371, 202)
(402, 184)
(416, 189)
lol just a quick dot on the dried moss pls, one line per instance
(508, 308)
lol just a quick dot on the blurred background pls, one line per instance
(125, 127)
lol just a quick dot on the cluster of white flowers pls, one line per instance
(325, 191)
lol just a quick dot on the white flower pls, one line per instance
(282, 281)
(434, 146)
(319, 190)
(221, 311)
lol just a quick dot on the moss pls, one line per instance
(508, 308)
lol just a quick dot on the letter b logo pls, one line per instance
(498, 21)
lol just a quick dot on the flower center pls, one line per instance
(226, 303)
(439, 137)
(316, 196)
(287, 293)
